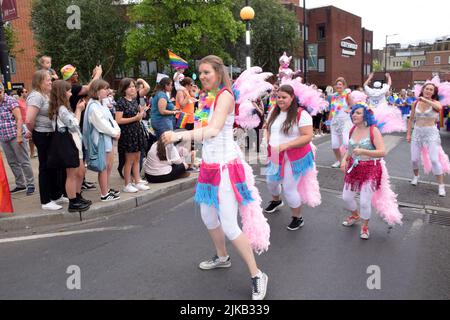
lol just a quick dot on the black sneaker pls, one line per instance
(296, 223)
(80, 198)
(88, 186)
(109, 197)
(115, 192)
(274, 206)
(17, 190)
(30, 190)
(78, 206)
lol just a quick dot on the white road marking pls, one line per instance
(63, 234)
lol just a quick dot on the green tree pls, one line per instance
(376, 66)
(11, 39)
(273, 31)
(99, 39)
(190, 28)
(406, 65)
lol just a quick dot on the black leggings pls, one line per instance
(177, 171)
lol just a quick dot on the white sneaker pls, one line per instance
(415, 180)
(144, 182)
(51, 206)
(442, 190)
(130, 189)
(259, 286)
(61, 200)
(141, 187)
(337, 164)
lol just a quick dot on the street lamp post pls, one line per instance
(4, 57)
(385, 50)
(247, 14)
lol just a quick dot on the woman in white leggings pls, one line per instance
(425, 136)
(339, 119)
(362, 167)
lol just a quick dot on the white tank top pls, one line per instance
(222, 148)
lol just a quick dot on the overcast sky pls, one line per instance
(412, 20)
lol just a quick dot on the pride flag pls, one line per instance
(182, 120)
(5, 196)
(176, 61)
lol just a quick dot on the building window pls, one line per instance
(301, 26)
(437, 60)
(367, 69)
(320, 32)
(448, 59)
(368, 47)
(321, 65)
(12, 65)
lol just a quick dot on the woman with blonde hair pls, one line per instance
(51, 181)
(226, 181)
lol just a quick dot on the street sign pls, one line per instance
(9, 10)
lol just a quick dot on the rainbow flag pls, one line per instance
(182, 120)
(176, 61)
(5, 196)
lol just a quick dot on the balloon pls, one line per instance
(194, 77)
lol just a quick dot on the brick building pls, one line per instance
(337, 45)
(23, 66)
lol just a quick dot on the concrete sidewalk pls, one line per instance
(28, 213)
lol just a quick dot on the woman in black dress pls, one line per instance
(129, 115)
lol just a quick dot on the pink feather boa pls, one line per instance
(254, 224)
(392, 118)
(309, 190)
(385, 200)
(443, 159)
(247, 118)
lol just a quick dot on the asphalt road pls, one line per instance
(153, 253)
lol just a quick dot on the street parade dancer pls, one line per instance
(339, 120)
(425, 139)
(291, 156)
(376, 100)
(365, 170)
(226, 183)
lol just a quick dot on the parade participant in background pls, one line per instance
(63, 119)
(291, 164)
(339, 120)
(387, 115)
(45, 63)
(402, 105)
(22, 94)
(425, 139)
(226, 181)
(366, 173)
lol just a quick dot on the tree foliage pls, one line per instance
(376, 66)
(190, 28)
(100, 38)
(406, 65)
(273, 31)
(11, 39)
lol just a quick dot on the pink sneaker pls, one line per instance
(350, 220)
(365, 232)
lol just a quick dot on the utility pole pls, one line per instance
(305, 56)
(4, 57)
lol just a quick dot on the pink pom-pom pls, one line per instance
(390, 117)
(385, 200)
(254, 224)
(309, 190)
(247, 118)
(358, 96)
(443, 159)
(426, 162)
